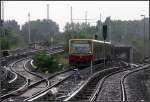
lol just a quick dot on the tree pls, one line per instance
(10, 35)
(76, 30)
(4, 44)
(40, 30)
(12, 25)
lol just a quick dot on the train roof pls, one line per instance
(93, 40)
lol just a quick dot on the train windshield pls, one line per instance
(81, 48)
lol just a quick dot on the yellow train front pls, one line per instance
(83, 51)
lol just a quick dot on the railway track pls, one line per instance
(36, 88)
(110, 89)
(90, 89)
(147, 60)
(51, 52)
(55, 84)
(60, 85)
(67, 87)
(114, 86)
(96, 83)
(29, 77)
(21, 53)
(122, 81)
(23, 76)
(19, 68)
(117, 85)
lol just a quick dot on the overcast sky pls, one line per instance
(59, 11)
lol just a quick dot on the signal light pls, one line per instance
(104, 32)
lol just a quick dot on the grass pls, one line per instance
(19, 45)
(62, 58)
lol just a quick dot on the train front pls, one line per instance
(80, 52)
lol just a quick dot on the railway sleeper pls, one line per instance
(88, 90)
(81, 97)
(92, 86)
(84, 94)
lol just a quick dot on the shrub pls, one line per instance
(45, 62)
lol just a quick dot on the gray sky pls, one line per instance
(59, 11)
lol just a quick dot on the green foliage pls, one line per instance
(131, 33)
(10, 35)
(12, 26)
(4, 44)
(78, 31)
(139, 42)
(45, 62)
(122, 32)
(40, 30)
(62, 58)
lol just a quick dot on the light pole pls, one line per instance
(2, 17)
(2, 10)
(29, 39)
(144, 33)
(71, 20)
(50, 35)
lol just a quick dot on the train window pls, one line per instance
(81, 48)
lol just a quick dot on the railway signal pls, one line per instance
(95, 37)
(29, 30)
(144, 36)
(104, 32)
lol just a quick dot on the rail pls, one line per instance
(42, 93)
(25, 86)
(4, 73)
(33, 73)
(123, 94)
(105, 71)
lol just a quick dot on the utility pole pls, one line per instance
(86, 17)
(108, 22)
(86, 21)
(47, 11)
(2, 17)
(29, 31)
(125, 32)
(71, 20)
(149, 44)
(71, 14)
(100, 16)
(48, 23)
(2, 2)
(100, 26)
(110, 30)
(144, 34)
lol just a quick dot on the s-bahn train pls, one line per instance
(83, 51)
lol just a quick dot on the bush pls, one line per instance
(45, 62)
(62, 58)
(4, 44)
